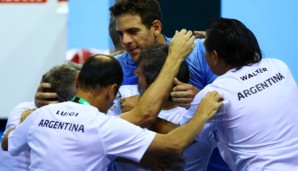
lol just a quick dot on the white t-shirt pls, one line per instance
(257, 128)
(72, 136)
(173, 115)
(22, 161)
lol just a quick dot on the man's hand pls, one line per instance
(181, 44)
(129, 103)
(209, 105)
(44, 95)
(183, 93)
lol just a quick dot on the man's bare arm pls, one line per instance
(163, 126)
(178, 139)
(4, 143)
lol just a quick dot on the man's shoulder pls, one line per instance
(19, 109)
(273, 60)
(70, 111)
(26, 105)
(122, 55)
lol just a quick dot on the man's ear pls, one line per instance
(156, 26)
(113, 90)
(215, 57)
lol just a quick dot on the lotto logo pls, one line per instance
(22, 1)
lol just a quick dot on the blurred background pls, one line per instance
(37, 34)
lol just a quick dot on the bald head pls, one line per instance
(100, 71)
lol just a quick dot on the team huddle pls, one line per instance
(184, 97)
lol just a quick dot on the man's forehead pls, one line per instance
(128, 19)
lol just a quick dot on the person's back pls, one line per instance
(72, 133)
(257, 127)
(75, 141)
(264, 116)
(62, 78)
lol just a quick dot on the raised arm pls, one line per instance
(151, 101)
(178, 139)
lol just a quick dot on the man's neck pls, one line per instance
(90, 98)
(160, 39)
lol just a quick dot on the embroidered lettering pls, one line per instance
(62, 125)
(261, 86)
(253, 74)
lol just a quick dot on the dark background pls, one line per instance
(189, 14)
(2, 124)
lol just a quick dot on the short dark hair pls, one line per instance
(62, 79)
(100, 71)
(148, 10)
(233, 41)
(152, 59)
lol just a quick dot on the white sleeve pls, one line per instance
(193, 108)
(124, 92)
(123, 139)
(15, 115)
(18, 138)
(129, 90)
(196, 102)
